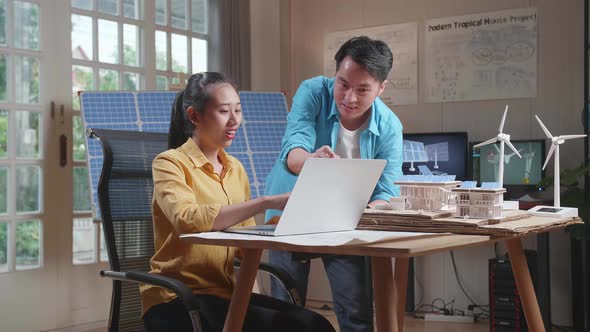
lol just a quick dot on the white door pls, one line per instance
(32, 205)
(50, 248)
(41, 288)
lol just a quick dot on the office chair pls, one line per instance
(125, 192)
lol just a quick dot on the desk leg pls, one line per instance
(241, 296)
(383, 294)
(524, 284)
(400, 289)
(544, 278)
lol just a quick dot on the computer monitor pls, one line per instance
(436, 154)
(520, 174)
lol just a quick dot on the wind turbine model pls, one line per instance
(556, 209)
(503, 139)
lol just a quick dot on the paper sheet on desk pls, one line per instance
(316, 239)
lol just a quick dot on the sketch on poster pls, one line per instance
(482, 56)
(402, 39)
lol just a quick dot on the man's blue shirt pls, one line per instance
(314, 121)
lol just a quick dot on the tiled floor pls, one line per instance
(411, 324)
(90, 327)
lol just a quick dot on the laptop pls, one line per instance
(330, 195)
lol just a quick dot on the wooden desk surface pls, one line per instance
(404, 247)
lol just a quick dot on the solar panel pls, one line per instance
(257, 143)
(154, 108)
(427, 178)
(414, 151)
(490, 185)
(438, 151)
(263, 126)
(118, 109)
(469, 184)
(424, 170)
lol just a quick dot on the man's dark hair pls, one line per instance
(373, 55)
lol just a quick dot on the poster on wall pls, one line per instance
(402, 86)
(482, 56)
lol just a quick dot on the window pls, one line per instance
(180, 39)
(108, 53)
(21, 137)
(107, 38)
(106, 47)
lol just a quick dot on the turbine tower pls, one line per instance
(556, 141)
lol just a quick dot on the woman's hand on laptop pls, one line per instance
(232, 214)
(276, 202)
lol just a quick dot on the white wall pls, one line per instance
(287, 47)
(266, 55)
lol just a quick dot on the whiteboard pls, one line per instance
(483, 56)
(402, 39)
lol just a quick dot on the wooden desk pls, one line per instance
(389, 288)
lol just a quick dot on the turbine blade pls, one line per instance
(549, 155)
(490, 141)
(503, 119)
(513, 153)
(543, 127)
(566, 137)
(513, 148)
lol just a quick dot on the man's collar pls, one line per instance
(373, 127)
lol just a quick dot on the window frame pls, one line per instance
(146, 69)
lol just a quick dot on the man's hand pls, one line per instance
(297, 157)
(377, 202)
(324, 152)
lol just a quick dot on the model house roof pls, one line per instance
(486, 187)
(431, 180)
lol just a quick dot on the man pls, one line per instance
(341, 117)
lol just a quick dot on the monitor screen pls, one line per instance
(519, 173)
(436, 154)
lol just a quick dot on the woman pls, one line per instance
(198, 187)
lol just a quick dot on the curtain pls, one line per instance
(233, 40)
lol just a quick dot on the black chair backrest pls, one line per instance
(125, 191)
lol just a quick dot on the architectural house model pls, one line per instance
(428, 192)
(485, 202)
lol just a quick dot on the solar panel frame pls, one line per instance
(257, 143)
